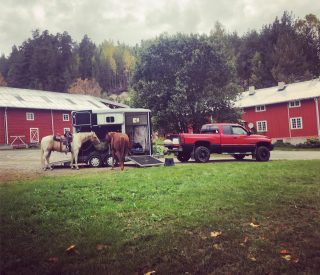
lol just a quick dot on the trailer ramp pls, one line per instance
(145, 161)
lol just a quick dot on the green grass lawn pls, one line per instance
(161, 219)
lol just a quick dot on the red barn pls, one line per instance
(28, 115)
(289, 113)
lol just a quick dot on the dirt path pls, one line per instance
(21, 164)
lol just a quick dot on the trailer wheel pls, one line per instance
(95, 161)
(202, 154)
(183, 157)
(108, 161)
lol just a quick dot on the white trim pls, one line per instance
(52, 124)
(317, 115)
(263, 126)
(261, 108)
(294, 104)
(63, 117)
(296, 123)
(31, 138)
(29, 116)
(6, 125)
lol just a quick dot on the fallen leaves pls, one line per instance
(101, 247)
(72, 249)
(284, 251)
(217, 246)
(254, 225)
(286, 255)
(215, 234)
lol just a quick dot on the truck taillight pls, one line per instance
(181, 140)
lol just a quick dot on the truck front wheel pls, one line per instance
(262, 153)
(202, 154)
(183, 157)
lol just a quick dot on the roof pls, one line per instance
(294, 91)
(36, 99)
(122, 110)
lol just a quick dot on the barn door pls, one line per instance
(34, 135)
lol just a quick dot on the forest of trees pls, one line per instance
(57, 63)
(186, 78)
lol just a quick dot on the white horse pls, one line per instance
(48, 144)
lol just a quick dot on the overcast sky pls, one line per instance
(131, 21)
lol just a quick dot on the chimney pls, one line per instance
(281, 86)
(251, 90)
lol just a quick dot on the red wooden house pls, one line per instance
(28, 115)
(289, 113)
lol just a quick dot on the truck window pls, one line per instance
(227, 130)
(209, 130)
(236, 130)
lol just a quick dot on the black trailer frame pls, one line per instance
(135, 122)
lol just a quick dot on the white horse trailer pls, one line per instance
(136, 123)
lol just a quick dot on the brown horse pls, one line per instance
(119, 147)
(48, 144)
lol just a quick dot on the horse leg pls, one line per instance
(72, 159)
(42, 160)
(112, 160)
(120, 158)
(47, 155)
(76, 152)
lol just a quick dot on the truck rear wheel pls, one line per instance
(262, 153)
(183, 157)
(202, 154)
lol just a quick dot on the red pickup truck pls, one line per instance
(219, 138)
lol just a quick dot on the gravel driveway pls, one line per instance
(25, 163)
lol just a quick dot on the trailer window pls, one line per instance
(110, 119)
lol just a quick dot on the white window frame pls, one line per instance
(65, 130)
(260, 127)
(294, 120)
(29, 116)
(261, 108)
(65, 117)
(294, 104)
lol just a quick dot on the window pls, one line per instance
(294, 104)
(30, 116)
(260, 108)
(236, 130)
(209, 129)
(65, 117)
(66, 130)
(296, 122)
(110, 119)
(227, 130)
(262, 126)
